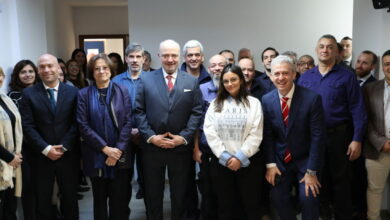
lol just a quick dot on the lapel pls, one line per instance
(60, 96)
(379, 103)
(161, 86)
(176, 93)
(295, 103)
(277, 109)
(43, 95)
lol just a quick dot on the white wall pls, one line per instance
(255, 24)
(100, 20)
(371, 29)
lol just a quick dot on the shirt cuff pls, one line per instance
(149, 139)
(243, 158)
(185, 141)
(46, 150)
(224, 157)
(270, 165)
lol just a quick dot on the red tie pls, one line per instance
(170, 83)
(285, 111)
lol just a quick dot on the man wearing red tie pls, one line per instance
(293, 136)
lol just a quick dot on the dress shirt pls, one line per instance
(289, 96)
(348, 61)
(341, 97)
(386, 101)
(47, 149)
(125, 79)
(174, 76)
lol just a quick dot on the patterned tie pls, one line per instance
(170, 83)
(285, 111)
(52, 99)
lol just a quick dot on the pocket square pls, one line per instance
(187, 90)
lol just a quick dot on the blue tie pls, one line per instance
(52, 99)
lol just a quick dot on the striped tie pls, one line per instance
(285, 111)
(170, 83)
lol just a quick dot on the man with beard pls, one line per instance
(202, 151)
(267, 56)
(365, 63)
(193, 61)
(134, 57)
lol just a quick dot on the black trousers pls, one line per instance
(8, 204)
(208, 207)
(116, 191)
(336, 175)
(65, 170)
(28, 196)
(155, 165)
(359, 185)
(191, 211)
(242, 186)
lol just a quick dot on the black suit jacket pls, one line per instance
(42, 126)
(369, 80)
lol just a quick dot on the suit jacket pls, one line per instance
(42, 126)
(369, 80)
(373, 94)
(304, 134)
(159, 111)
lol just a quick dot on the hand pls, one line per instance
(16, 161)
(110, 161)
(112, 152)
(386, 146)
(311, 183)
(271, 173)
(354, 150)
(55, 152)
(234, 164)
(197, 155)
(162, 141)
(176, 139)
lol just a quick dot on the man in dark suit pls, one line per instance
(364, 65)
(168, 111)
(48, 113)
(377, 142)
(293, 141)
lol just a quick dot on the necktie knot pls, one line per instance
(284, 99)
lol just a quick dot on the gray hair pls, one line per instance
(133, 48)
(192, 44)
(169, 43)
(291, 54)
(283, 59)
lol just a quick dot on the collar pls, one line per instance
(365, 77)
(211, 87)
(127, 75)
(289, 94)
(55, 87)
(174, 75)
(349, 60)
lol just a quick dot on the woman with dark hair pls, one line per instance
(104, 118)
(234, 130)
(11, 137)
(80, 57)
(24, 75)
(75, 76)
(116, 60)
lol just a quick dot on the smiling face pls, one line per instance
(232, 83)
(101, 72)
(48, 69)
(247, 67)
(268, 56)
(194, 58)
(170, 57)
(386, 68)
(27, 75)
(73, 69)
(364, 65)
(283, 75)
(326, 50)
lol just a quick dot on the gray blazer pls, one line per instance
(373, 94)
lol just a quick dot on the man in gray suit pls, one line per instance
(377, 144)
(168, 111)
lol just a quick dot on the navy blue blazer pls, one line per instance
(305, 132)
(120, 110)
(42, 126)
(159, 111)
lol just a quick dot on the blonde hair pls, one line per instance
(2, 72)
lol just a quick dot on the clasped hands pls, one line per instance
(16, 161)
(113, 155)
(167, 140)
(55, 152)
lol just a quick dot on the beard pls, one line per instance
(216, 80)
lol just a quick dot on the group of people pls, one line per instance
(290, 138)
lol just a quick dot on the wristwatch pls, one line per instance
(311, 172)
